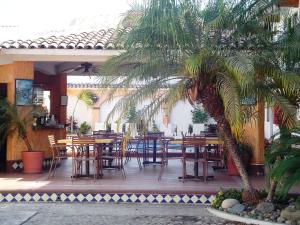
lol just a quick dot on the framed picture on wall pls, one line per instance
(24, 92)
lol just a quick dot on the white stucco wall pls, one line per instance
(82, 112)
(181, 117)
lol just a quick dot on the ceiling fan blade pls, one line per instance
(72, 69)
(78, 68)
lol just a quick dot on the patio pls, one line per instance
(144, 181)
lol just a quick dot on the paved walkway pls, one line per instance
(105, 214)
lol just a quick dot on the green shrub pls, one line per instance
(84, 128)
(199, 115)
(224, 194)
(297, 202)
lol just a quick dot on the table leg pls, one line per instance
(87, 165)
(196, 164)
(154, 150)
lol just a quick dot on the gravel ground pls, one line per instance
(105, 214)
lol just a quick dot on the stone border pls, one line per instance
(201, 199)
(232, 217)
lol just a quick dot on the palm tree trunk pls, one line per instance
(72, 117)
(231, 146)
(27, 143)
(272, 190)
(213, 105)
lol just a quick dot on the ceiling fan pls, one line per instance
(82, 69)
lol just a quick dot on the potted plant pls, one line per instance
(199, 117)
(13, 122)
(245, 153)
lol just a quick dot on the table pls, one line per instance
(99, 141)
(146, 139)
(208, 141)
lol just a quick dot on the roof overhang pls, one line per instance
(289, 3)
(56, 55)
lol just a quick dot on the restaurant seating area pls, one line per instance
(114, 163)
(91, 154)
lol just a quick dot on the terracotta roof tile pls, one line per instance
(102, 39)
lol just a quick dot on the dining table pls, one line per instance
(98, 141)
(208, 142)
(150, 146)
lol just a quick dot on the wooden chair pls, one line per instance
(132, 150)
(84, 152)
(198, 143)
(215, 153)
(58, 153)
(176, 154)
(113, 155)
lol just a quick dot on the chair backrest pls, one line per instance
(55, 152)
(51, 139)
(193, 141)
(152, 133)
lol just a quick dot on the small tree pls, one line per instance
(85, 96)
(199, 115)
(132, 115)
(12, 122)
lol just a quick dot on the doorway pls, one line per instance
(3, 94)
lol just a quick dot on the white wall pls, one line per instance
(181, 116)
(82, 112)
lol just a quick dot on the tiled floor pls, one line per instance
(137, 181)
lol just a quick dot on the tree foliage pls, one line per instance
(217, 55)
(283, 157)
(13, 122)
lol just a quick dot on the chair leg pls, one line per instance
(204, 171)
(123, 173)
(183, 170)
(50, 170)
(139, 160)
(162, 166)
(122, 168)
(127, 157)
(55, 165)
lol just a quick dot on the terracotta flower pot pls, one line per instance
(33, 161)
(231, 167)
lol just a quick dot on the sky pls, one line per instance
(28, 18)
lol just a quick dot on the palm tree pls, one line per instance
(217, 56)
(87, 97)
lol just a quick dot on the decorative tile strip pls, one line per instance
(109, 197)
(17, 165)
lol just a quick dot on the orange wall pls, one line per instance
(38, 138)
(254, 135)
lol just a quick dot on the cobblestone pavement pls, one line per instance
(105, 214)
